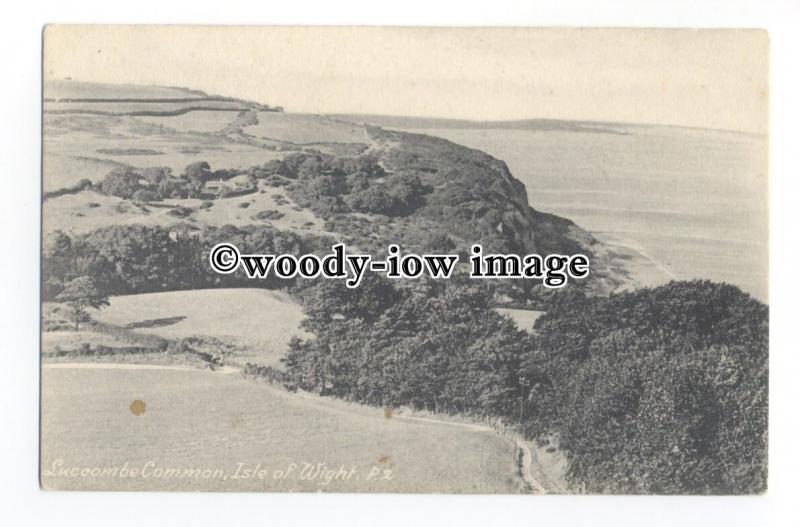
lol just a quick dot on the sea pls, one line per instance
(693, 201)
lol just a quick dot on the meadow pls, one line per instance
(86, 211)
(198, 121)
(141, 108)
(199, 419)
(259, 321)
(172, 150)
(305, 129)
(66, 89)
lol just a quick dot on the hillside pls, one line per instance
(659, 390)
(362, 184)
(72, 97)
(205, 419)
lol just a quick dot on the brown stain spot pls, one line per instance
(138, 407)
(383, 459)
(388, 412)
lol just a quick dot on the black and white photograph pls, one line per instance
(405, 260)
(392, 264)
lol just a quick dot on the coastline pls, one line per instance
(642, 269)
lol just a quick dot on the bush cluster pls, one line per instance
(658, 391)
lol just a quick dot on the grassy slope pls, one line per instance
(60, 89)
(260, 320)
(80, 213)
(86, 413)
(305, 129)
(201, 419)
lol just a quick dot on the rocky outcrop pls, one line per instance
(474, 198)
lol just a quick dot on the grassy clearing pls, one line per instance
(261, 322)
(87, 210)
(305, 129)
(62, 171)
(196, 419)
(198, 121)
(230, 211)
(117, 108)
(178, 150)
(523, 318)
(60, 89)
(80, 136)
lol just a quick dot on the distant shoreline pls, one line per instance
(403, 122)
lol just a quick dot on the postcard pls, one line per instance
(404, 260)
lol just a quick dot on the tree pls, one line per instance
(170, 188)
(145, 195)
(155, 175)
(80, 294)
(121, 182)
(56, 244)
(198, 172)
(398, 195)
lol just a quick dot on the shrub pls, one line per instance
(155, 175)
(121, 182)
(81, 185)
(146, 195)
(268, 215)
(180, 212)
(659, 390)
(198, 172)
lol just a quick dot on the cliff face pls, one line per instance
(472, 195)
(473, 198)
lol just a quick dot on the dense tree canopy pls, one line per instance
(657, 391)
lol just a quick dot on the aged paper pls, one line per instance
(644, 152)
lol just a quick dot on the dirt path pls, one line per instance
(523, 455)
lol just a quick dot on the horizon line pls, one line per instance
(427, 117)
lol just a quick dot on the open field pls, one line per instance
(62, 171)
(175, 150)
(305, 129)
(262, 321)
(174, 142)
(197, 419)
(66, 89)
(229, 211)
(88, 210)
(198, 121)
(140, 108)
